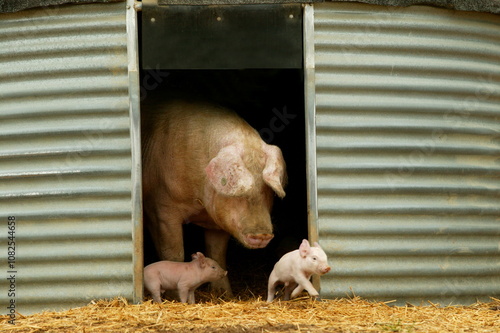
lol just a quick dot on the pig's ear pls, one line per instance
(201, 259)
(304, 248)
(228, 174)
(197, 255)
(316, 244)
(274, 172)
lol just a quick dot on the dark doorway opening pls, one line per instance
(272, 101)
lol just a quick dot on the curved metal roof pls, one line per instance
(489, 6)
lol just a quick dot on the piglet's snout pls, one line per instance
(325, 270)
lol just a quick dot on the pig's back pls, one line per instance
(184, 136)
(194, 118)
(287, 262)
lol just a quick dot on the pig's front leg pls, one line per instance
(167, 235)
(304, 283)
(216, 247)
(184, 294)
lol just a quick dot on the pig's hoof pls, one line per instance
(317, 298)
(258, 241)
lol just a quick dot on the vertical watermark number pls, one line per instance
(11, 268)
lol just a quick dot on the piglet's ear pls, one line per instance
(227, 173)
(197, 255)
(274, 172)
(201, 259)
(304, 248)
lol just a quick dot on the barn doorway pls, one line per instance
(257, 50)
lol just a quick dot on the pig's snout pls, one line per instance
(220, 275)
(325, 269)
(258, 241)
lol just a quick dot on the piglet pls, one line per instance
(184, 277)
(294, 270)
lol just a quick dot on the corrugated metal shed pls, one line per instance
(489, 6)
(8, 6)
(407, 151)
(69, 158)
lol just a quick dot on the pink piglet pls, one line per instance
(185, 277)
(295, 269)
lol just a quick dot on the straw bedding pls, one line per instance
(212, 314)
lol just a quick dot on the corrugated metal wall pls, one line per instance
(66, 156)
(408, 146)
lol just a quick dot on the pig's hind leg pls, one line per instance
(184, 295)
(155, 292)
(152, 286)
(288, 290)
(191, 299)
(271, 289)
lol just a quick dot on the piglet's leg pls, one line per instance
(288, 290)
(216, 248)
(271, 288)
(184, 295)
(156, 294)
(191, 299)
(307, 285)
(152, 286)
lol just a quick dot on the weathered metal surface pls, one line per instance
(135, 137)
(67, 157)
(310, 107)
(7, 6)
(407, 145)
(221, 37)
(489, 6)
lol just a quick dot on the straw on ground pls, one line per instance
(300, 315)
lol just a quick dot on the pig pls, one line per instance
(185, 277)
(204, 164)
(295, 269)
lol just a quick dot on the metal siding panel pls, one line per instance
(65, 155)
(407, 123)
(135, 136)
(310, 105)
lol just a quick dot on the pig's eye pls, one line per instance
(314, 258)
(213, 267)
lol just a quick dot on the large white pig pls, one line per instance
(203, 164)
